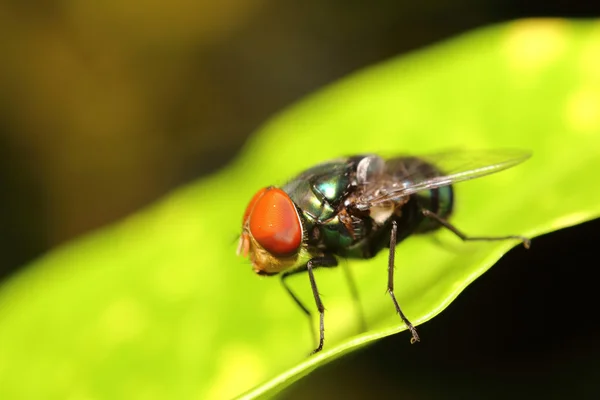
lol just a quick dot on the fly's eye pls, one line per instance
(274, 222)
(252, 203)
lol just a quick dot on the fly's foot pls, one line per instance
(315, 351)
(415, 336)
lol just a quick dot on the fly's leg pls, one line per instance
(325, 261)
(297, 300)
(354, 293)
(462, 236)
(390, 288)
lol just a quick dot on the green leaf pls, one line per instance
(159, 306)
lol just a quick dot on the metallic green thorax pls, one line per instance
(324, 197)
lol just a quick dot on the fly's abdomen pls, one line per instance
(439, 201)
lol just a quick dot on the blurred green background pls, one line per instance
(106, 106)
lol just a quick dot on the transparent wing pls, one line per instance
(406, 175)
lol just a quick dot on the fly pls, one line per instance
(356, 206)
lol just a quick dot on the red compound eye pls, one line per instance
(252, 203)
(274, 222)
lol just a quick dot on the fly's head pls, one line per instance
(272, 235)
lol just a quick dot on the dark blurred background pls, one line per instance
(107, 105)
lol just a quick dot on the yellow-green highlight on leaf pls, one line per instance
(158, 306)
